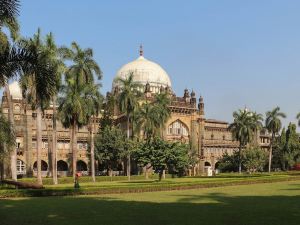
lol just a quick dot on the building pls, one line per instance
(209, 138)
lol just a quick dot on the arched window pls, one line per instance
(178, 128)
(21, 167)
(81, 166)
(62, 165)
(44, 166)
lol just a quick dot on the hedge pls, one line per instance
(156, 186)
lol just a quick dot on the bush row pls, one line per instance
(157, 186)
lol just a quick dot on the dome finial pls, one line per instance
(141, 50)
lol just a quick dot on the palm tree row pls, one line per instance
(141, 115)
(39, 64)
(246, 126)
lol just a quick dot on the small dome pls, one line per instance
(15, 90)
(144, 71)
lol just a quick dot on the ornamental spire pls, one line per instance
(141, 50)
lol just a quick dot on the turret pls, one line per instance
(186, 95)
(193, 100)
(201, 106)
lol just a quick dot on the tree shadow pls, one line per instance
(189, 209)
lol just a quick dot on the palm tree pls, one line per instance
(7, 140)
(74, 110)
(128, 102)
(54, 55)
(162, 102)
(147, 119)
(242, 130)
(93, 100)
(83, 70)
(9, 10)
(13, 61)
(258, 125)
(38, 86)
(85, 67)
(273, 125)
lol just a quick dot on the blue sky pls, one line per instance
(234, 53)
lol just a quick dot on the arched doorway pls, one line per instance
(44, 166)
(62, 168)
(62, 165)
(217, 165)
(82, 167)
(21, 167)
(207, 164)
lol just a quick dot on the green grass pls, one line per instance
(256, 204)
(151, 185)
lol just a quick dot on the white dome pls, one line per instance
(15, 90)
(144, 71)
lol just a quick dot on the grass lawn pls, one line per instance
(255, 204)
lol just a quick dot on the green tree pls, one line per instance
(273, 125)
(242, 129)
(94, 102)
(254, 159)
(162, 102)
(54, 56)
(84, 67)
(73, 110)
(147, 120)
(13, 59)
(9, 10)
(291, 152)
(127, 101)
(258, 125)
(229, 162)
(82, 71)
(163, 155)
(110, 143)
(279, 150)
(7, 141)
(38, 86)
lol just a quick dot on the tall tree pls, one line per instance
(54, 56)
(162, 102)
(258, 125)
(82, 71)
(128, 102)
(9, 10)
(74, 110)
(84, 66)
(38, 85)
(110, 144)
(13, 61)
(242, 130)
(147, 120)
(7, 141)
(273, 125)
(93, 100)
(11, 57)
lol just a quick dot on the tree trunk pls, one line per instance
(270, 153)
(54, 143)
(128, 157)
(13, 151)
(93, 150)
(39, 144)
(50, 168)
(74, 149)
(160, 175)
(240, 160)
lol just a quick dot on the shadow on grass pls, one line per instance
(208, 209)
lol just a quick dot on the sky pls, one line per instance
(233, 53)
